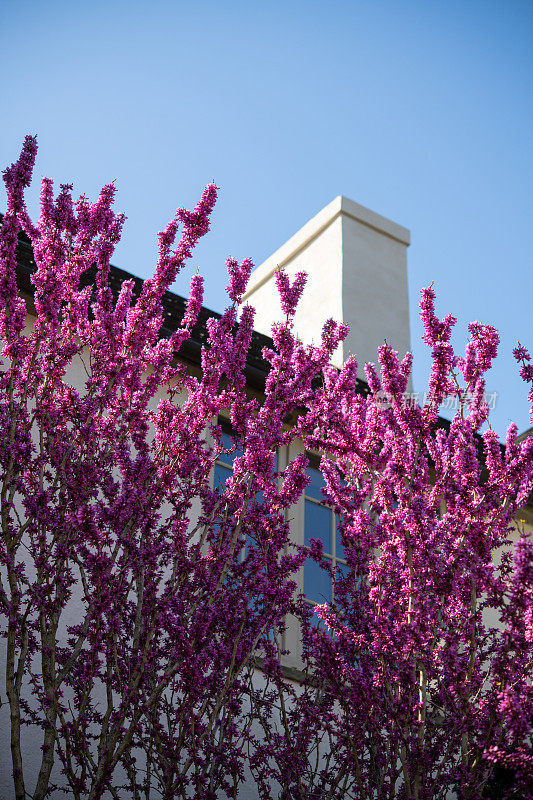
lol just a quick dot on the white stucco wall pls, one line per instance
(356, 261)
(375, 302)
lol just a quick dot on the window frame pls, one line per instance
(332, 556)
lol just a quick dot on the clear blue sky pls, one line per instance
(419, 109)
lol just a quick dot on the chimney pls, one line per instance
(356, 263)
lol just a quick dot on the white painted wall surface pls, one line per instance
(356, 261)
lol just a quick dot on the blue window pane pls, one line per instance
(342, 570)
(317, 481)
(259, 497)
(339, 547)
(228, 442)
(317, 583)
(249, 542)
(318, 523)
(222, 473)
(316, 622)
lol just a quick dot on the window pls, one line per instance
(321, 523)
(224, 462)
(224, 468)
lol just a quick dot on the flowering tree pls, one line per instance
(133, 593)
(137, 601)
(421, 682)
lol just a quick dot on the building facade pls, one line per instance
(356, 262)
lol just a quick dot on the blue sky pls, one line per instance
(419, 109)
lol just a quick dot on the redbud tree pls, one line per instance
(139, 602)
(420, 681)
(129, 615)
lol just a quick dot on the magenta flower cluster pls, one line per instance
(144, 610)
